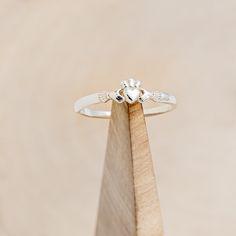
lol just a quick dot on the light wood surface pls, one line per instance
(129, 205)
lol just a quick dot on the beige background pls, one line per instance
(52, 52)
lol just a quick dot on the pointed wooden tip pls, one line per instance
(129, 204)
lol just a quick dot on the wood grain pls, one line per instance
(129, 204)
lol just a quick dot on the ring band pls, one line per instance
(130, 92)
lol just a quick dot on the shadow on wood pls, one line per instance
(129, 204)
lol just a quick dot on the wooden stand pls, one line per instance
(129, 204)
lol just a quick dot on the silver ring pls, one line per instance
(130, 92)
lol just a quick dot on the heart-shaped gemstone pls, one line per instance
(131, 94)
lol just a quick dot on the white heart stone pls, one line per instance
(131, 94)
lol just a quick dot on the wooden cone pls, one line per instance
(129, 204)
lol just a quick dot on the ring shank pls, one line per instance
(81, 106)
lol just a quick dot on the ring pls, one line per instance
(130, 92)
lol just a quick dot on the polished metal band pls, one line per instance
(131, 93)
